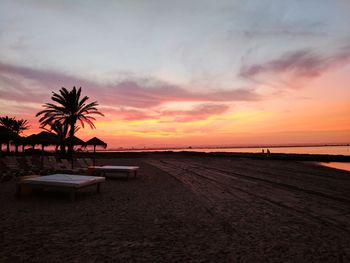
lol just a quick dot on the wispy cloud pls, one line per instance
(138, 93)
(196, 113)
(127, 114)
(199, 112)
(273, 33)
(303, 64)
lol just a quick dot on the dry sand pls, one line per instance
(189, 209)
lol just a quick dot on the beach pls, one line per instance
(184, 208)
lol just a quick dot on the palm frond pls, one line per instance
(68, 108)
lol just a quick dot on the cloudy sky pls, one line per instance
(194, 72)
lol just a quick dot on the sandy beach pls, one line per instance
(186, 209)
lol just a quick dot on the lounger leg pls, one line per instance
(98, 188)
(72, 195)
(18, 190)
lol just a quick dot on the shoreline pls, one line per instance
(231, 147)
(150, 154)
(260, 156)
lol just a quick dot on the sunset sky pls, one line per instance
(186, 72)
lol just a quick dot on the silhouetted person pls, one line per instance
(268, 151)
(263, 151)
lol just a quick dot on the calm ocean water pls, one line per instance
(337, 165)
(335, 150)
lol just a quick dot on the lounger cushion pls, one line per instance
(68, 180)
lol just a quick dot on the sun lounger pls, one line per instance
(12, 164)
(65, 182)
(31, 164)
(110, 170)
(81, 163)
(66, 164)
(57, 166)
(48, 164)
(89, 161)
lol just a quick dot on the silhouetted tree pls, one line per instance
(7, 122)
(15, 126)
(18, 127)
(68, 109)
(61, 130)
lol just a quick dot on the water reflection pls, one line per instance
(337, 165)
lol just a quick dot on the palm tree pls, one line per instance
(7, 122)
(15, 126)
(69, 109)
(18, 127)
(61, 131)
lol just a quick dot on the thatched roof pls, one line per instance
(43, 138)
(75, 141)
(96, 141)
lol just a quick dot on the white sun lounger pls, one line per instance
(110, 170)
(64, 182)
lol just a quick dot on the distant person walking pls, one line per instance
(268, 151)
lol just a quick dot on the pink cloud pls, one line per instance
(13, 89)
(126, 114)
(149, 95)
(304, 64)
(200, 112)
(137, 93)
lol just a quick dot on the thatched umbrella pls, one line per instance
(96, 142)
(6, 136)
(44, 138)
(30, 140)
(74, 141)
(21, 140)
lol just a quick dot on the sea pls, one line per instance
(333, 150)
(329, 149)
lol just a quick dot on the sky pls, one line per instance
(179, 73)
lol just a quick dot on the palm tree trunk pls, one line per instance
(42, 155)
(62, 147)
(71, 135)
